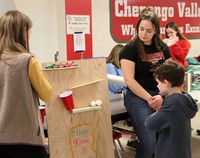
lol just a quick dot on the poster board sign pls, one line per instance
(78, 23)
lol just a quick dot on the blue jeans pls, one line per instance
(138, 109)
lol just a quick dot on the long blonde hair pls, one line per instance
(14, 27)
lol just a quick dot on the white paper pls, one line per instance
(79, 42)
(78, 23)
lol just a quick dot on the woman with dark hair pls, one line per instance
(177, 42)
(139, 59)
(22, 83)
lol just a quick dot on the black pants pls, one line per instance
(22, 151)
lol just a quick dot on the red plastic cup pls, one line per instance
(42, 112)
(67, 99)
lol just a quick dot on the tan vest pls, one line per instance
(20, 120)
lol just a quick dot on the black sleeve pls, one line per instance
(129, 52)
(166, 51)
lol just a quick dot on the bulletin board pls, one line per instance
(85, 132)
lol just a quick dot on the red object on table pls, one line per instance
(42, 112)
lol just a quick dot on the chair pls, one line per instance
(118, 112)
(116, 136)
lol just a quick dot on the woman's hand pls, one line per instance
(171, 41)
(155, 102)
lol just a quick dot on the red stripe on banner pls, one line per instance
(79, 8)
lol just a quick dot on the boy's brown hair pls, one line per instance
(171, 71)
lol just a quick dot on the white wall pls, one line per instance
(43, 41)
(6, 5)
(61, 29)
(195, 48)
(48, 34)
(102, 40)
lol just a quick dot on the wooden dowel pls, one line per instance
(85, 84)
(86, 109)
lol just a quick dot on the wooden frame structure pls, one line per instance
(84, 132)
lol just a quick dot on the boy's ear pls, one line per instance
(166, 83)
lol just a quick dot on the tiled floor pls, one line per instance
(128, 153)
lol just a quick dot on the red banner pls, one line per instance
(124, 15)
(80, 10)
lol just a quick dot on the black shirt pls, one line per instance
(144, 69)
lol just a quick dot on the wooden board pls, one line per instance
(82, 133)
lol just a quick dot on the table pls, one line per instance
(117, 108)
(196, 95)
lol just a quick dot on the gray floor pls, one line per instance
(128, 153)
